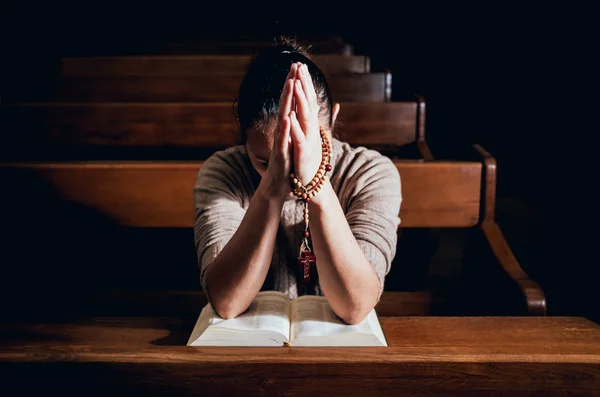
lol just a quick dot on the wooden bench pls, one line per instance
(193, 78)
(159, 195)
(137, 347)
(50, 130)
(356, 87)
(193, 65)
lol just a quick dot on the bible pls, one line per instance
(273, 319)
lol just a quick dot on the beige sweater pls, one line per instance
(367, 185)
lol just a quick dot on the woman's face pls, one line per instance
(258, 146)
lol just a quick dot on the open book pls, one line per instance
(274, 320)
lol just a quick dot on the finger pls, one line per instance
(286, 101)
(284, 139)
(302, 104)
(298, 136)
(308, 86)
(298, 65)
(287, 95)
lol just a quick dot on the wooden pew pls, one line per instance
(194, 65)
(45, 130)
(355, 87)
(159, 195)
(137, 354)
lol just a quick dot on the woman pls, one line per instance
(252, 233)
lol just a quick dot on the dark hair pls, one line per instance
(260, 91)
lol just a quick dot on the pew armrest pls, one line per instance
(424, 151)
(533, 293)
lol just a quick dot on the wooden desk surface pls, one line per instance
(126, 354)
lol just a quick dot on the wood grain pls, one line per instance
(470, 338)
(182, 125)
(427, 355)
(159, 194)
(194, 65)
(355, 87)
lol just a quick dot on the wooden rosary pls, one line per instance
(305, 192)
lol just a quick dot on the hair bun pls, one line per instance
(289, 45)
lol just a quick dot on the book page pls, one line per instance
(266, 318)
(314, 323)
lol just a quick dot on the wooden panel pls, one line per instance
(186, 125)
(392, 123)
(195, 65)
(197, 88)
(435, 194)
(539, 336)
(427, 356)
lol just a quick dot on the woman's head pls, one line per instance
(257, 105)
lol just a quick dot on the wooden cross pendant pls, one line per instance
(305, 259)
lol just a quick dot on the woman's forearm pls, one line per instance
(237, 274)
(347, 278)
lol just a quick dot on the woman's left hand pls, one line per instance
(306, 136)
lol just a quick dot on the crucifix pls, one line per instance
(305, 259)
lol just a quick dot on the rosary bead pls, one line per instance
(304, 195)
(328, 167)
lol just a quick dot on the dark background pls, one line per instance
(499, 76)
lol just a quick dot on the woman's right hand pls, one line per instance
(280, 162)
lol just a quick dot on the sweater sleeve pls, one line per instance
(373, 211)
(219, 208)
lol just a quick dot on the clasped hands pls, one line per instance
(297, 141)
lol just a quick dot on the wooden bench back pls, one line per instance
(375, 87)
(354, 87)
(159, 194)
(190, 125)
(195, 65)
